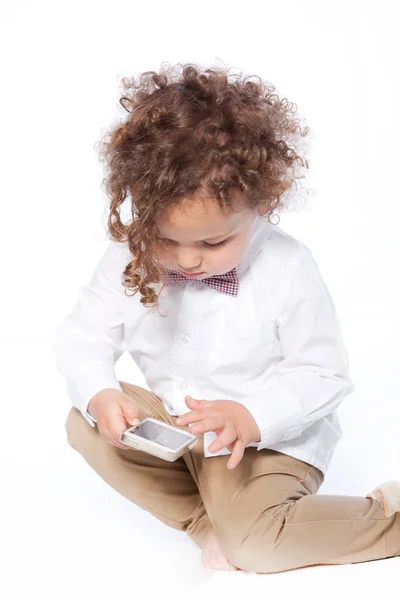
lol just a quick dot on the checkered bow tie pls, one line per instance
(227, 283)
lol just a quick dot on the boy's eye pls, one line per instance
(212, 246)
(216, 245)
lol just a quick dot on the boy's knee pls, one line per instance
(254, 550)
(256, 555)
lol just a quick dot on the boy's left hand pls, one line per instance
(235, 423)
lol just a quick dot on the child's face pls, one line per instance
(187, 233)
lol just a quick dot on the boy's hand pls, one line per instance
(235, 423)
(114, 412)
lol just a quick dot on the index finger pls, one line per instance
(237, 454)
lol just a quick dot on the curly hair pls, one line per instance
(194, 133)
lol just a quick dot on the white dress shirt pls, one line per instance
(276, 347)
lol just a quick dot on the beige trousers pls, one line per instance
(266, 512)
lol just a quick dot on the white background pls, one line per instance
(64, 532)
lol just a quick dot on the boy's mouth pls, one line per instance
(193, 274)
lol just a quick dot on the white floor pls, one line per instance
(66, 534)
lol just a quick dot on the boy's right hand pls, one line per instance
(114, 412)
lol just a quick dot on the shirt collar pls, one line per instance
(261, 231)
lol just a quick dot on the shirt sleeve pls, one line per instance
(92, 337)
(312, 378)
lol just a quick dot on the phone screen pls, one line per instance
(162, 435)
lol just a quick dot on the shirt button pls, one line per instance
(185, 337)
(184, 385)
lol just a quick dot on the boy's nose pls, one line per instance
(190, 269)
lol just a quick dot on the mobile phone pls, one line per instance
(160, 439)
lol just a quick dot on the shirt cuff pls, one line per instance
(91, 420)
(290, 407)
(89, 378)
(274, 423)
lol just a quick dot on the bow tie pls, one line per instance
(227, 283)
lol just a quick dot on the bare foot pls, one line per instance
(212, 556)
